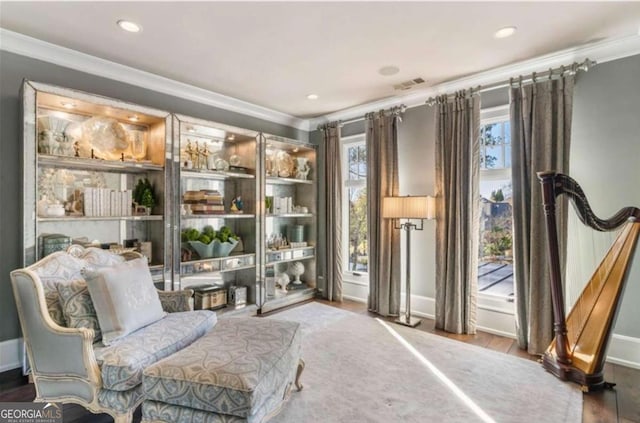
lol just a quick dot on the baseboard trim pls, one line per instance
(496, 332)
(354, 299)
(10, 354)
(625, 351)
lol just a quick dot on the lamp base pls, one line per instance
(412, 322)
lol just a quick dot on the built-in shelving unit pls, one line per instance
(77, 143)
(290, 216)
(85, 155)
(206, 155)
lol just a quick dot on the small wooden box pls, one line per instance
(209, 297)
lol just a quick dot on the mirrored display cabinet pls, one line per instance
(87, 160)
(228, 212)
(289, 221)
(217, 171)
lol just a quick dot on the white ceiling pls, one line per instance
(274, 54)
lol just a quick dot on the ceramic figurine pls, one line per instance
(237, 205)
(302, 168)
(283, 280)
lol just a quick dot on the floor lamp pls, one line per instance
(409, 208)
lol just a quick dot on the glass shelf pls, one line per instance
(97, 164)
(290, 215)
(100, 218)
(214, 174)
(272, 263)
(218, 216)
(287, 181)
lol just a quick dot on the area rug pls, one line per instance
(361, 369)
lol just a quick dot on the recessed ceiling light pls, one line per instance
(133, 118)
(231, 137)
(129, 26)
(505, 32)
(190, 129)
(312, 97)
(388, 70)
(68, 105)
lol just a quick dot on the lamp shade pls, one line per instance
(409, 207)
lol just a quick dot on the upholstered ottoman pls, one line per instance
(241, 371)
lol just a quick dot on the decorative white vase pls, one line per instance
(296, 268)
(302, 167)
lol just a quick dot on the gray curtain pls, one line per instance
(457, 194)
(540, 137)
(332, 196)
(382, 239)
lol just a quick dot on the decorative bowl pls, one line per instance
(213, 249)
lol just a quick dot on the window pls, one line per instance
(354, 194)
(495, 272)
(495, 145)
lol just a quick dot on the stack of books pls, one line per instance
(100, 202)
(205, 201)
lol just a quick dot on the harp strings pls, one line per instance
(587, 260)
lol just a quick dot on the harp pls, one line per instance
(577, 353)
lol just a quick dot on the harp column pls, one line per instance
(547, 180)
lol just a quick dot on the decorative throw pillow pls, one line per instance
(77, 306)
(124, 297)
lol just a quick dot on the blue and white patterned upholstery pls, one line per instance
(57, 268)
(77, 306)
(242, 368)
(122, 363)
(64, 361)
(120, 401)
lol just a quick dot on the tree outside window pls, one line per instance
(355, 186)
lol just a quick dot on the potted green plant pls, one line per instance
(143, 195)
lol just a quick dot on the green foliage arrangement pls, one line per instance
(143, 193)
(208, 234)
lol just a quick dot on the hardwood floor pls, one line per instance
(620, 405)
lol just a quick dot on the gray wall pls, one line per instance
(13, 68)
(417, 170)
(605, 160)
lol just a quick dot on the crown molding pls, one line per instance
(31, 47)
(600, 51)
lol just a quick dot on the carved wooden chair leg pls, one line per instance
(298, 373)
(123, 418)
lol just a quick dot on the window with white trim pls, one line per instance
(354, 206)
(495, 271)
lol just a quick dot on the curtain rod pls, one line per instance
(394, 110)
(574, 68)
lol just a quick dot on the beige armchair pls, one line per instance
(66, 364)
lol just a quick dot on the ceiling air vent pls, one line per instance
(408, 84)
